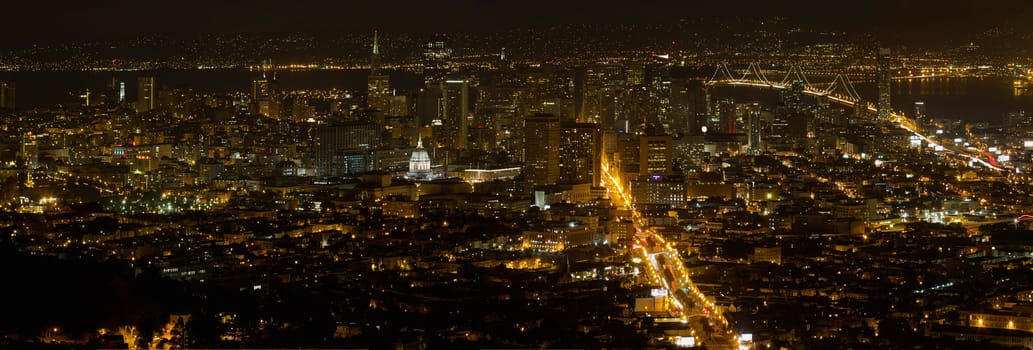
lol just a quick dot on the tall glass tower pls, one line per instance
(884, 106)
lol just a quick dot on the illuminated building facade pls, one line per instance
(542, 149)
(655, 154)
(455, 114)
(659, 189)
(6, 95)
(419, 163)
(884, 107)
(344, 149)
(378, 87)
(146, 94)
(579, 153)
(437, 59)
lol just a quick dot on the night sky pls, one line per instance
(891, 19)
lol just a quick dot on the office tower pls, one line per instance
(146, 94)
(753, 129)
(792, 98)
(579, 95)
(260, 91)
(725, 119)
(345, 149)
(656, 189)
(636, 107)
(580, 152)
(378, 89)
(6, 95)
(437, 59)
(680, 110)
(920, 110)
(30, 151)
(260, 88)
(116, 92)
(655, 153)
(429, 107)
(628, 154)
(455, 115)
(598, 93)
(636, 74)
(884, 107)
(542, 149)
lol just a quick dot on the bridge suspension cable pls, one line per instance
(754, 69)
(717, 76)
(797, 73)
(843, 83)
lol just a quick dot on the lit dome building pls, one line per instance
(419, 163)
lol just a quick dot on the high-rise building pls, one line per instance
(6, 95)
(659, 189)
(444, 106)
(884, 107)
(428, 106)
(792, 98)
(345, 149)
(260, 88)
(146, 94)
(686, 105)
(725, 119)
(30, 151)
(580, 152)
(597, 92)
(260, 91)
(753, 128)
(455, 113)
(920, 110)
(378, 84)
(542, 149)
(655, 154)
(437, 59)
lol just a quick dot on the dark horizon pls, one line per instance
(914, 22)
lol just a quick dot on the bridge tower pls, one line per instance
(884, 106)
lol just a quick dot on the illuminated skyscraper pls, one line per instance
(920, 110)
(260, 88)
(884, 106)
(437, 59)
(345, 149)
(6, 95)
(753, 128)
(580, 152)
(146, 94)
(542, 149)
(378, 89)
(687, 105)
(453, 114)
(260, 95)
(655, 154)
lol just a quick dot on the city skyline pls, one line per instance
(490, 174)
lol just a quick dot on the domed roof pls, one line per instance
(419, 154)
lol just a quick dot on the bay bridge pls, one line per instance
(841, 91)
